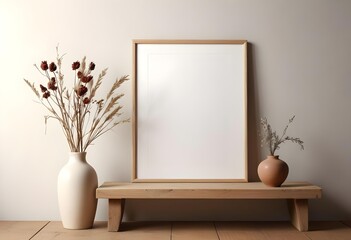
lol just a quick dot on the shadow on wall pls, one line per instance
(332, 210)
(253, 119)
(206, 210)
(329, 174)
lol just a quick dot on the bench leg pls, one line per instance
(298, 209)
(115, 214)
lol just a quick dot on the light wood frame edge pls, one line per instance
(246, 112)
(134, 113)
(135, 43)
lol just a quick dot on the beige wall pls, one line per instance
(299, 63)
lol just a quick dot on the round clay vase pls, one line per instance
(77, 183)
(273, 171)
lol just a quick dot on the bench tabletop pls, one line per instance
(250, 190)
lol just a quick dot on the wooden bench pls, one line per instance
(296, 193)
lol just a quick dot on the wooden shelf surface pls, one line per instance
(251, 190)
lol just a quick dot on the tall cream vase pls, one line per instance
(77, 183)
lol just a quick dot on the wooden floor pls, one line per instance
(177, 231)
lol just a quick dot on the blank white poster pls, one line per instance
(191, 111)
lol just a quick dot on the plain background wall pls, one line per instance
(299, 63)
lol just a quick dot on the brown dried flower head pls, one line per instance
(52, 84)
(92, 66)
(86, 100)
(75, 65)
(86, 79)
(52, 67)
(79, 74)
(82, 90)
(46, 94)
(42, 88)
(44, 65)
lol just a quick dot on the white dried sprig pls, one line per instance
(31, 85)
(116, 85)
(273, 140)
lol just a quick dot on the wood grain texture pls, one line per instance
(161, 180)
(184, 230)
(328, 231)
(115, 214)
(134, 112)
(258, 230)
(130, 231)
(186, 41)
(298, 209)
(252, 190)
(194, 231)
(16, 230)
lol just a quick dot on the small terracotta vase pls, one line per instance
(273, 171)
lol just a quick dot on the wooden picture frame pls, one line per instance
(189, 111)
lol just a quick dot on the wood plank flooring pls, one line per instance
(20, 230)
(33, 230)
(258, 230)
(194, 231)
(329, 230)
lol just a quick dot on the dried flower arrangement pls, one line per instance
(273, 140)
(83, 118)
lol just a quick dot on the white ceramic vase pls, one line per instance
(77, 183)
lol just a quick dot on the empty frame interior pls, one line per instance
(190, 111)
